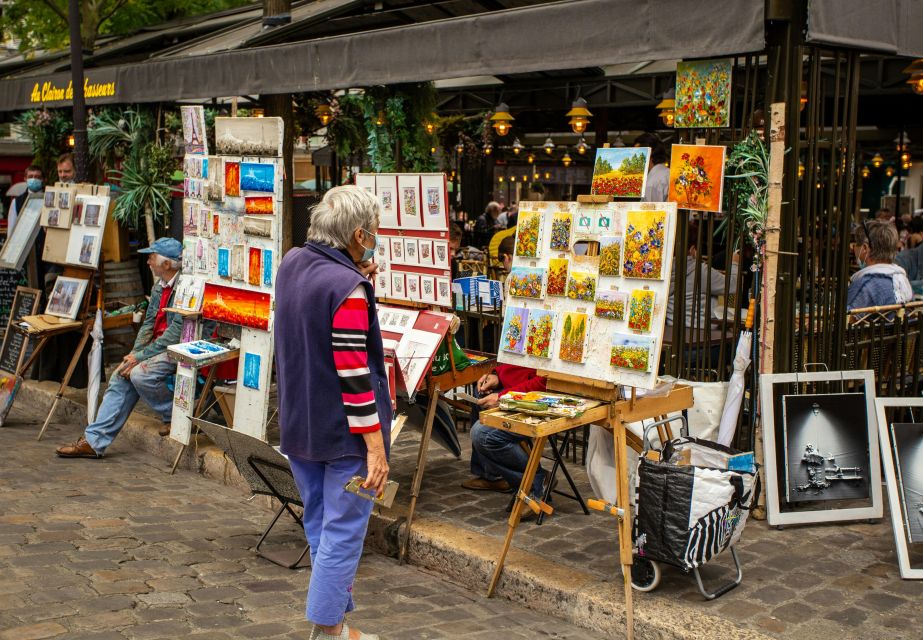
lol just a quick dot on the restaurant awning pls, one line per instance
(549, 36)
(888, 26)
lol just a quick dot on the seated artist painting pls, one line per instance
(145, 372)
(498, 459)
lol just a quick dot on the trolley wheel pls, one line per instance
(645, 574)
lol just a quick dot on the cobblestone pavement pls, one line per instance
(117, 548)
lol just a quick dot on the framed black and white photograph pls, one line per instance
(900, 427)
(820, 443)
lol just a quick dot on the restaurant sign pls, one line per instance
(50, 91)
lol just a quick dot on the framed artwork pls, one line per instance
(513, 334)
(258, 205)
(641, 310)
(632, 352)
(216, 178)
(408, 192)
(443, 291)
(194, 139)
(428, 288)
(190, 217)
(252, 370)
(441, 254)
(397, 285)
(820, 446)
(610, 255)
(425, 253)
(216, 225)
(697, 177)
(255, 266)
(232, 179)
(257, 226)
(385, 187)
(620, 171)
(557, 277)
(611, 305)
(236, 306)
(560, 230)
(411, 247)
(20, 241)
(573, 337)
(237, 262)
(267, 268)
(703, 94)
(224, 262)
(201, 255)
(902, 456)
(205, 223)
(256, 176)
(382, 285)
(412, 286)
(540, 333)
(249, 136)
(397, 250)
(525, 282)
(66, 297)
(435, 201)
(581, 285)
(645, 234)
(528, 234)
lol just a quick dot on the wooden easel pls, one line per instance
(612, 415)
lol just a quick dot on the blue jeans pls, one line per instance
(147, 381)
(497, 454)
(335, 523)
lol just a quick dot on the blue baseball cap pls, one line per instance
(166, 247)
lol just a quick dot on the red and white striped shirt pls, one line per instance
(350, 333)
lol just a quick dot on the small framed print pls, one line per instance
(425, 253)
(441, 254)
(412, 286)
(382, 285)
(397, 285)
(443, 292)
(397, 250)
(411, 251)
(428, 288)
(382, 251)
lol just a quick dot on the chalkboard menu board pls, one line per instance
(25, 303)
(10, 279)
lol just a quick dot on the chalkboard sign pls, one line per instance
(10, 280)
(25, 303)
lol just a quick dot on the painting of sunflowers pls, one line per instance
(611, 305)
(528, 234)
(641, 310)
(697, 176)
(557, 277)
(538, 337)
(645, 236)
(581, 286)
(573, 337)
(631, 352)
(513, 336)
(703, 94)
(610, 255)
(560, 231)
(526, 282)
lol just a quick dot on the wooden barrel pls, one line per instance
(123, 284)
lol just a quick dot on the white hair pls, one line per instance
(170, 263)
(342, 211)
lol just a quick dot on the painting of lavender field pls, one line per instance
(257, 177)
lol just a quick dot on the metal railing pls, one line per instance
(888, 341)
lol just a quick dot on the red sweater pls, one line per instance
(514, 378)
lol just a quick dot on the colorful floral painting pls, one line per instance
(528, 234)
(581, 286)
(560, 231)
(573, 337)
(409, 201)
(697, 176)
(513, 336)
(258, 205)
(232, 179)
(645, 233)
(610, 255)
(236, 306)
(703, 94)
(611, 305)
(526, 282)
(641, 310)
(538, 337)
(631, 352)
(557, 277)
(620, 171)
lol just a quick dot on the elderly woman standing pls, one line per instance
(334, 405)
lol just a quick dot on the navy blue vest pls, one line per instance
(313, 281)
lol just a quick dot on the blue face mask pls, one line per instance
(368, 254)
(34, 184)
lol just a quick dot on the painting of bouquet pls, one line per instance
(528, 234)
(526, 282)
(697, 176)
(641, 310)
(409, 201)
(620, 171)
(631, 352)
(573, 337)
(703, 94)
(560, 231)
(557, 277)
(236, 306)
(645, 234)
(610, 255)
(538, 338)
(581, 286)
(514, 329)
(611, 305)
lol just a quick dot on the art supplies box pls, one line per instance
(197, 352)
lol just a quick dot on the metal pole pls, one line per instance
(80, 108)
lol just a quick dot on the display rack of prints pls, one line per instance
(74, 217)
(595, 309)
(413, 251)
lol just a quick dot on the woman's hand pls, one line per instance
(488, 382)
(376, 462)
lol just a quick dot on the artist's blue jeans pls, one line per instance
(147, 381)
(498, 454)
(335, 523)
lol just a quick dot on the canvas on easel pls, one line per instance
(20, 241)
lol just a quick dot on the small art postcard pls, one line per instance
(425, 253)
(201, 255)
(557, 277)
(184, 393)
(91, 215)
(573, 337)
(411, 246)
(703, 94)
(267, 267)
(529, 234)
(581, 285)
(433, 201)
(412, 283)
(428, 288)
(441, 254)
(697, 177)
(443, 291)
(387, 200)
(216, 225)
(620, 171)
(237, 262)
(540, 333)
(645, 238)
(258, 205)
(641, 310)
(255, 266)
(634, 353)
(257, 177)
(252, 370)
(190, 218)
(526, 282)
(194, 139)
(397, 250)
(382, 285)
(611, 305)
(88, 253)
(397, 285)
(513, 335)
(584, 220)
(205, 223)
(232, 179)
(560, 231)
(409, 202)
(260, 227)
(610, 255)
(224, 262)
(216, 178)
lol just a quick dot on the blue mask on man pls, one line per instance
(34, 184)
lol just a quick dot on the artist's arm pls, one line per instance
(146, 331)
(173, 335)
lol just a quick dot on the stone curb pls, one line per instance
(463, 556)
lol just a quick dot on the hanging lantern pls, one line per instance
(460, 147)
(488, 149)
(800, 170)
(432, 150)
(906, 165)
(901, 145)
(548, 146)
(517, 146)
(530, 158)
(579, 115)
(70, 140)
(905, 157)
(380, 119)
(877, 160)
(500, 179)
(889, 171)
(582, 147)
(525, 178)
(667, 108)
(547, 175)
(429, 125)
(512, 178)
(567, 159)
(535, 176)
(502, 120)
(866, 172)
(916, 83)
(324, 114)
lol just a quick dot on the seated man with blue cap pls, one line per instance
(145, 371)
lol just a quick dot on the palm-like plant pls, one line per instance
(748, 169)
